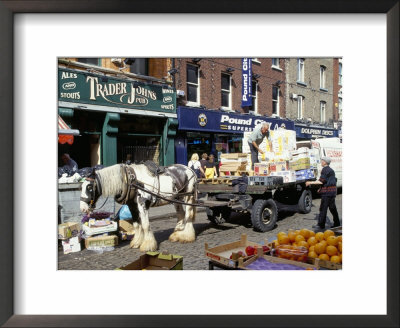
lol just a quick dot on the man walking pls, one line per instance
(328, 193)
(255, 139)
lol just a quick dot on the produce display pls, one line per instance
(249, 251)
(263, 264)
(239, 254)
(96, 215)
(294, 253)
(297, 243)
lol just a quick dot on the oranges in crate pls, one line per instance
(332, 241)
(323, 245)
(290, 252)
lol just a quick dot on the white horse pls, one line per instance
(176, 182)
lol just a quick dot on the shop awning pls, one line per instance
(65, 133)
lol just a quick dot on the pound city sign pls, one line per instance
(244, 125)
(87, 88)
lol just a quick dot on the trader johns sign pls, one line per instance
(88, 88)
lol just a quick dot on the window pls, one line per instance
(322, 77)
(275, 62)
(300, 106)
(340, 109)
(340, 73)
(254, 96)
(275, 100)
(140, 66)
(192, 81)
(323, 111)
(300, 70)
(225, 90)
(91, 61)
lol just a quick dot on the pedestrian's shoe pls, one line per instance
(336, 225)
(318, 228)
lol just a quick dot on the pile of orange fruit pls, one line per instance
(323, 245)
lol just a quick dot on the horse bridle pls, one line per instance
(93, 189)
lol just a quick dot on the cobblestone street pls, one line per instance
(163, 221)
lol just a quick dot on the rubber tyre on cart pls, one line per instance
(305, 202)
(219, 215)
(264, 214)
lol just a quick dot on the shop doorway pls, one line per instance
(80, 151)
(139, 148)
(227, 143)
(198, 143)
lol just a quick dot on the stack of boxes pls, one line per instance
(69, 233)
(301, 163)
(97, 231)
(283, 142)
(283, 159)
(290, 164)
(233, 162)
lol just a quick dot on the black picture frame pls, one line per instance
(7, 11)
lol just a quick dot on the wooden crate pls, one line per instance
(220, 180)
(308, 266)
(324, 264)
(234, 155)
(221, 254)
(237, 173)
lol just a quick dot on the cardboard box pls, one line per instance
(261, 169)
(305, 174)
(72, 245)
(303, 150)
(156, 261)
(279, 166)
(295, 166)
(125, 225)
(288, 176)
(233, 160)
(68, 230)
(101, 241)
(234, 155)
(100, 230)
(221, 254)
(227, 167)
(125, 235)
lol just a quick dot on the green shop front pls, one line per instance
(118, 118)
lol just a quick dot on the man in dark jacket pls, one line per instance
(328, 193)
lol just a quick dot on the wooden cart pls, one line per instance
(221, 198)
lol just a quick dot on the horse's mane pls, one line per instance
(111, 180)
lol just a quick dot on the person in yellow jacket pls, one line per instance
(211, 168)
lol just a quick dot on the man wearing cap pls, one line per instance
(256, 138)
(328, 194)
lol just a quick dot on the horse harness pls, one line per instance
(128, 192)
(94, 189)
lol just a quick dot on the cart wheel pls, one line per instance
(305, 202)
(264, 215)
(218, 215)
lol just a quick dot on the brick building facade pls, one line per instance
(219, 84)
(310, 90)
(337, 89)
